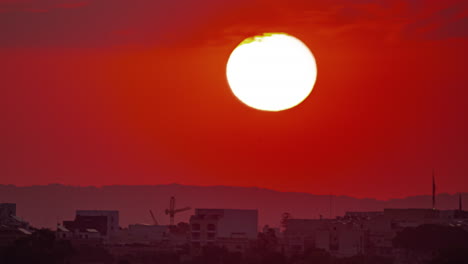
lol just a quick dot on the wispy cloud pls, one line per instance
(194, 22)
(36, 10)
(449, 21)
(73, 4)
(29, 6)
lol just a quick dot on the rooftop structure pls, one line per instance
(232, 228)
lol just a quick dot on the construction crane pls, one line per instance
(172, 211)
(154, 218)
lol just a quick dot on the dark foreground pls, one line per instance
(424, 244)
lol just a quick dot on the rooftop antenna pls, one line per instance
(433, 191)
(460, 208)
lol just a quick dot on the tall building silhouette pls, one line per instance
(460, 205)
(433, 191)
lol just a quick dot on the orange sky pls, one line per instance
(113, 92)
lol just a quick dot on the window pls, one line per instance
(211, 236)
(195, 235)
(196, 227)
(211, 227)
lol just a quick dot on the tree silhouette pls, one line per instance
(447, 244)
(41, 247)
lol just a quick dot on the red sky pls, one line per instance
(134, 92)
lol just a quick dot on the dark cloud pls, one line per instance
(36, 10)
(165, 22)
(447, 22)
(455, 29)
(95, 23)
(73, 4)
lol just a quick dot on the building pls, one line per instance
(179, 236)
(81, 223)
(7, 210)
(233, 229)
(363, 215)
(448, 215)
(9, 218)
(380, 233)
(341, 239)
(87, 223)
(411, 216)
(11, 226)
(300, 234)
(8, 234)
(112, 218)
(79, 237)
(143, 234)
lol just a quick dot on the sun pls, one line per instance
(271, 72)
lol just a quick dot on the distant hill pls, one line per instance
(44, 206)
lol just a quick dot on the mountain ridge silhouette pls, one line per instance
(47, 205)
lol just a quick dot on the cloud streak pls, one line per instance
(190, 22)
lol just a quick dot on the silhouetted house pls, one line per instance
(9, 234)
(112, 217)
(453, 214)
(79, 237)
(233, 229)
(7, 210)
(12, 227)
(179, 236)
(81, 223)
(342, 239)
(339, 237)
(411, 216)
(300, 234)
(8, 216)
(63, 233)
(370, 233)
(90, 224)
(362, 215)
(143, 234)
(380, 233)
(381, 230)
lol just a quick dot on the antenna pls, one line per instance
(433, 191)
(460, 207)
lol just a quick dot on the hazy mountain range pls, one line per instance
(44, 206)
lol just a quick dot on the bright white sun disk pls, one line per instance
(271, 72)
